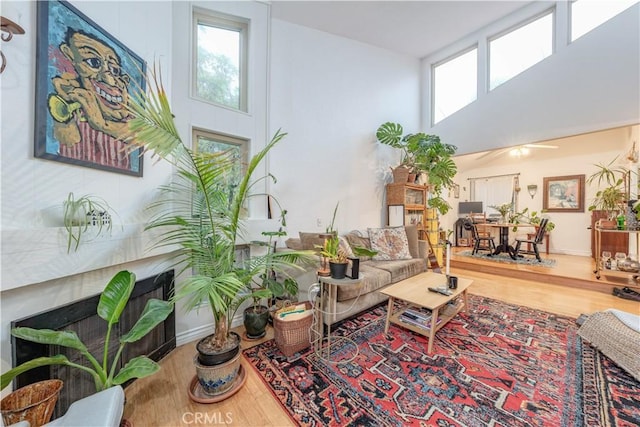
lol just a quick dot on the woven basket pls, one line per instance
(33, 403)
(292, 336)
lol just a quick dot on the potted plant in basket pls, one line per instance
(202, 221)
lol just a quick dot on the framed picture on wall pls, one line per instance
(396, 215)
(83, 79)
(563, 193)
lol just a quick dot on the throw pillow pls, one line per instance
(310, 240)
(358, 238)
(346, 248)
(391, 243)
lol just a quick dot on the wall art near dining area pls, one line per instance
(83, 77)
(563, 193)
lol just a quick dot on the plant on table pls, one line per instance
(112, 302)
(613, 198)
(201, 218)
(504, 210)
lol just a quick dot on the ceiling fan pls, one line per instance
(517, 151)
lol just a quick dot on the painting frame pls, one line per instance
(563, 193)
(84, 78)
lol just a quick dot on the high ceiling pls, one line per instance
(416, 28)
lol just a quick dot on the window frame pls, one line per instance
(226, 22)
(533, 18)
(450, 58)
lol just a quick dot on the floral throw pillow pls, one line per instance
(391, 243)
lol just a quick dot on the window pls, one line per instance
(220, 51)
(455, 84)
(493, 191)
(587, 15)
(512, 53)
(209, 142)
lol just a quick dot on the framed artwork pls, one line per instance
(456, 191)
(83, 81)
(563, 193)
(396, 215)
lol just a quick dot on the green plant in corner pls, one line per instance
(200, 220)
(81, 213)
(424, 153)
(613, 198)
(112, 302)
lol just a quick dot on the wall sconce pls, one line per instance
(10, 28)
(532, 189)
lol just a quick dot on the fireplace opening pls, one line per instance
(81, 317)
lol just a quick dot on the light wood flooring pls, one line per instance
(162, 399)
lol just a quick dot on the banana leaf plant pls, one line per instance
(198, 217)
(105, 374)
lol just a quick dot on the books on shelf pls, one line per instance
(417, 317)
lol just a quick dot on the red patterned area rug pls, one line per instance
(497, 365)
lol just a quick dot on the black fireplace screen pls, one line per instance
(81, 317)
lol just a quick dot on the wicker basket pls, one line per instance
(292, 336)
(33, 403)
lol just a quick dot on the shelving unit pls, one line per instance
(599, 248)
(413, 198)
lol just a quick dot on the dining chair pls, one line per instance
(489, 243)
(538, 238)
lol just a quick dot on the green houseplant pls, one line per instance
(113, 299)
(201, 221)
(423, 153)
(613, 197)
(79, 213)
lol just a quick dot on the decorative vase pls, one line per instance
(217, 379)
(255, 321)
(210, 357)
(338, 270)
(33, 403)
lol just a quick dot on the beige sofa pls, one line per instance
(345, 300)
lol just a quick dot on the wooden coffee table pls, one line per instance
(414, 293)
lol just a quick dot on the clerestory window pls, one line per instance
(455, 84)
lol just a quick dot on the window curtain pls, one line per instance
(494, 191)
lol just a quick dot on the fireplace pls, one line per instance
(81, 317)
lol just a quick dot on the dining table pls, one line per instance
(503, 245)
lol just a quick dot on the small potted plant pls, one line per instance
(337, 256)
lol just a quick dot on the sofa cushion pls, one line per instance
(310, 240)
(373, 279)
(390, 242)
(358, 238)
(412, 240)
(400, 269)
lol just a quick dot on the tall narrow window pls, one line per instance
(210, 142)
(455, 84)
(220, 49)
(587, 15)
(513, 52)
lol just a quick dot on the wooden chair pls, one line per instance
(538, 238)
(489, 243)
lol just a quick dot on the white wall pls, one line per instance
(331, 94)
(576, 155)
(37, 273)
(588, 85)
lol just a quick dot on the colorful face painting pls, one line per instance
(84, 77)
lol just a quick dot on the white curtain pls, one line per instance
(493, 191)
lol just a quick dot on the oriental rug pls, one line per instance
(497, 365)
(506, 259)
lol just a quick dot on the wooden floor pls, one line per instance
(162, 400)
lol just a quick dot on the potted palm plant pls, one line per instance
(202, 222)
(613, 198)
(425, 154)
